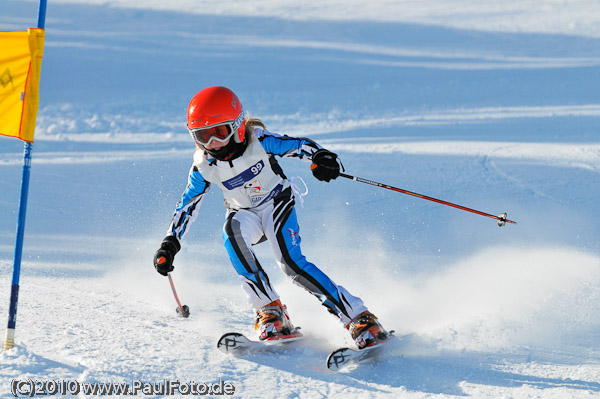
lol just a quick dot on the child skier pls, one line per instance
(237, 154)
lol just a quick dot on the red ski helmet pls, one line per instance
(216, 113)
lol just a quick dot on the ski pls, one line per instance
(236, 343)
(343, 357)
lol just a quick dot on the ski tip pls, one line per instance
(337, 359)
(230, 342)
(340, 358)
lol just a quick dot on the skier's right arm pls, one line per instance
(185, 214)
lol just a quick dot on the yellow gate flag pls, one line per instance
(20, 66)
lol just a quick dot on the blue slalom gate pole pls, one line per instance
(42, 15)
(9, 340)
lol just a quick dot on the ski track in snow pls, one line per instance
(585, 156)
(493, 105)
(116, 129)
(561, 155)
(554, 16)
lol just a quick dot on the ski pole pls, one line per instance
(184, 310)
(502, 220)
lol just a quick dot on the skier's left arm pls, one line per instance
(325, 164)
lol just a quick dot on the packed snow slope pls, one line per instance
(494, 105)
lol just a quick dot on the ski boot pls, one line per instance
(273, 322)
(366, 330)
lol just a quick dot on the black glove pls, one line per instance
(163, 258)
(325, 165)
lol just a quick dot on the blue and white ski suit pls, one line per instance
(260, 206)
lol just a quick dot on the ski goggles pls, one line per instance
(220, 132)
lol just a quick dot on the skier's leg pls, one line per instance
(242, 229)
(282, 231)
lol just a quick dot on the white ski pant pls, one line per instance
(276, 222)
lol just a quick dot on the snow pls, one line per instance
(491, 105)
